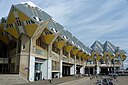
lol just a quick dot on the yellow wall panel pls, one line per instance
(93, 55)
(79, 54)
(111, 57)
(2, 26)
(68, 48)
(30, 29)
(99, 57)
(13, 32)
(83, 55)
(4, 39)
(123, 57)
(60, 44)
(74, 51)
(11, 18)
(48, 38)
(22, 16)
(87, 57)
(1, 30)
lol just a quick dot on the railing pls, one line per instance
(82, 62)
(65, 59)
(40, 51)
(90, 64)
(55, 68)
(55, 56)
(77, 62)
(109, 65)
(71, 60)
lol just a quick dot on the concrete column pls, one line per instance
(49, 75)
(108, 70)
(60, 73)
(82, 70)
(49, 62)
(47, 69)
(93, 70)
(68, 56)
(73, 69)
(25, 54)
(97, 69)
(31, 68)
(75, 65)
(60, 68)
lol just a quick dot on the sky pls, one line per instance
(88, 20)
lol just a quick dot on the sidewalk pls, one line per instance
(75, 81)
(56, 81)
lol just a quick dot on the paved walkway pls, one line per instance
(77, 82)
(56, 81)
(122, 80)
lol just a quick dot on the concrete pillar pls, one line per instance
(82, 70)
(49, 73)
(47, 65)
(32, 68)
(75, 65)
(60, 73)
(93, 70)
(47, 69)
(73, 70)
(60, 69)
(25, 54)
(108, 70)
(98, 70)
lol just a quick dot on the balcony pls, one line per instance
(40, 52)
(65, 59)
(55, 56)
(71, 60)
(109, 64)
(90, 64)
(81, 62)
(77, 62)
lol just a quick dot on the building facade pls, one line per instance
(35, 46)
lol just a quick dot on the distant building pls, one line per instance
(35, 46)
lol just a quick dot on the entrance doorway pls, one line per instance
(104, 71)
(4, 68)
(38, 72)
(89, 70)
(65, 71)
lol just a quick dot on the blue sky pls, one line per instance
(88, 20)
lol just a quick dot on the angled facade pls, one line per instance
(107, 57)
(35, 46)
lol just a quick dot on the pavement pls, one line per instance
(69, 80)
(11, 79)
(55, 81)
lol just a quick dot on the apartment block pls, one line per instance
(35, 46)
